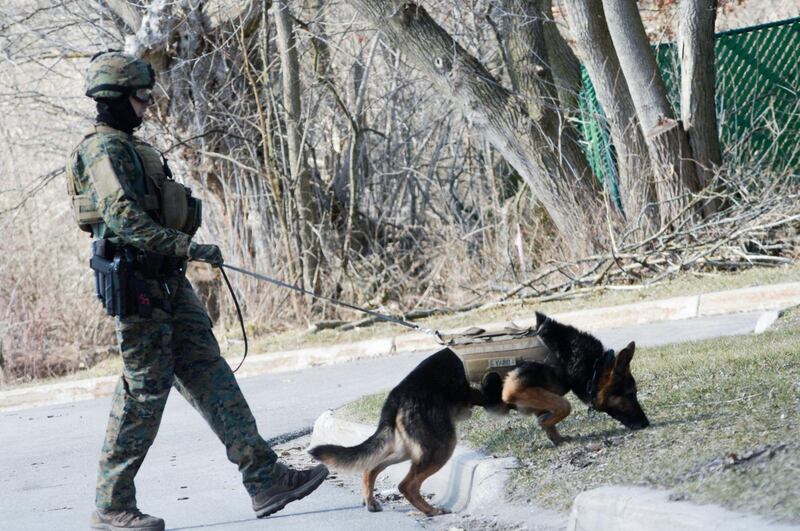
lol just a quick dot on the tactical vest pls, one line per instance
(170, 203)
(484, 352)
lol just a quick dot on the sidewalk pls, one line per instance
(775, 297)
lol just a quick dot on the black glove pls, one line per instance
(208, 253)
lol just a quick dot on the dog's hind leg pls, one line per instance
(368, 488)
(549, 407)
(429, 450)
(410, 486)
(368, 482)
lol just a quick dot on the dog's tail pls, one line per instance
(364, 456)
(492, 390)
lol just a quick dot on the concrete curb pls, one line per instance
(775, 297)
(470, 479)
(293, 360)
(58, 393)
(623, 508)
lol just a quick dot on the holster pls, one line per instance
(121, 276)
(111, 276)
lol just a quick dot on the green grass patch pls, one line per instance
(725, 415)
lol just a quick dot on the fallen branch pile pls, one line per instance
(755, 230)
(758, 228)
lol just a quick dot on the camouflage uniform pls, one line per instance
(173, 346)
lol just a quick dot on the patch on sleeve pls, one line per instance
(105, 180)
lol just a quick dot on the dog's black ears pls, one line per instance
(624, 357)
(540, 319)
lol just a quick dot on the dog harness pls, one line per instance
(484, 352)
(599, 364)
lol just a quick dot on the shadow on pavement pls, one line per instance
(223, 525)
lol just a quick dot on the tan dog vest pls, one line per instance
(484, 352)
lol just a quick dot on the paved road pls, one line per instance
(49, 454)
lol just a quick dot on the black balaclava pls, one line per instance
(118, 113)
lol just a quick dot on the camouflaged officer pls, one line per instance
(142, 222)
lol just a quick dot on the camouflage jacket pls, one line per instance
(105, 166)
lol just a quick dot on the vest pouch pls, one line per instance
(177, 208)
(174, 204)
(85, 212)
(194, 217)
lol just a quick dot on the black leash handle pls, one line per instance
(239, 313)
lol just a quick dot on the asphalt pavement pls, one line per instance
(49, 458)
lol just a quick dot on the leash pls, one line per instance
(239, 313)
(258, 276)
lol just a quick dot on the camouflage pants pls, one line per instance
(174, 348)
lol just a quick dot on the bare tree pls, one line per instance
(670, 153)
(698, 105)
(290, 70)
(557, 175)
(587, 22)
(522, 23)
(564, 63)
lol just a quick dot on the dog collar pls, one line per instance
(600, 363)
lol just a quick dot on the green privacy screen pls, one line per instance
(758, 109)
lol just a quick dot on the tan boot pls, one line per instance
(290, 485)
(125, 520)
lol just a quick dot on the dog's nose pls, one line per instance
(638, 425)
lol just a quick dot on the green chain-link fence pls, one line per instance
(757, 94)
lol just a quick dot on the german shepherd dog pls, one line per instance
(596, 376)
(418, 422)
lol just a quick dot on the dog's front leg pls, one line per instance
(550, 408)
(549, 419)
(555, 437)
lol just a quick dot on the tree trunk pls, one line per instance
(666, 139)
(529, 68)
(321, 55)
(528, 65)
(560, 180)
(290, 70)
(564, 64)
(587, 22)
(698, 107)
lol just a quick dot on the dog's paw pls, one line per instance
(559, 440)
(436, 511)
(373, 506)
